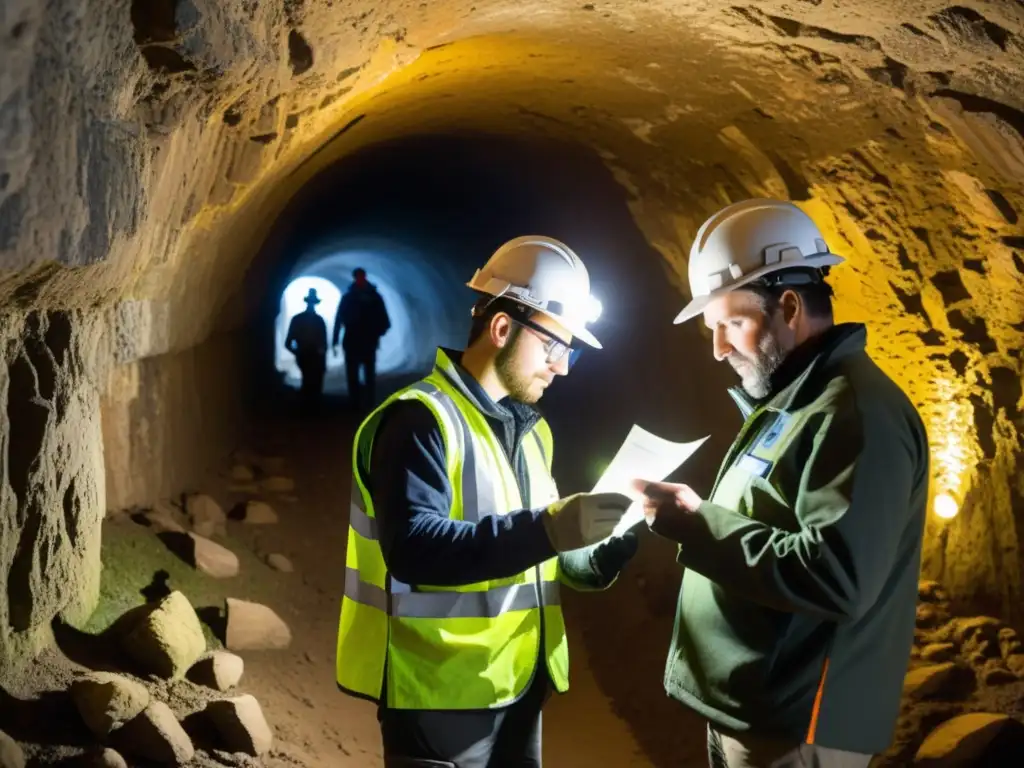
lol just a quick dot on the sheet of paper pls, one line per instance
(646, 456)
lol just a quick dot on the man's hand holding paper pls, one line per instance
(663, 503)
(642, 455)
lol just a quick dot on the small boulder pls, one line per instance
(253, 627)
(280, 563)
(1015, 664)
(977, 634)
(930, 616)
(241, 725)
(206, 516)
(947, 680)
(279, 484)
(107, 701)
(995, 672)
(165, 518)
(960, 741)
(220, 670)
(936, 653)
(258, 513)
(108, 758)
(213, 559)
(242, 473)
(931, 592)
(1009, 642)
(168, 639)
(156, 735)
(11, 755)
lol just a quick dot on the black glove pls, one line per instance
(612, 555)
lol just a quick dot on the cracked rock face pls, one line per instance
(127, 225)
(52, 501)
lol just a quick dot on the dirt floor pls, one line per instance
(314, 724)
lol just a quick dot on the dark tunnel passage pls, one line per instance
(421, 214)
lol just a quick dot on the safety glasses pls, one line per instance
(554, 347)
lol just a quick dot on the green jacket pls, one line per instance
(796, 611)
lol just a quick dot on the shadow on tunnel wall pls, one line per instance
(450, 201)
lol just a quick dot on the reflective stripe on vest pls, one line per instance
(451, 605)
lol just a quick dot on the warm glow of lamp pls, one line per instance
(945, 506)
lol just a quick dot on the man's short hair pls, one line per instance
(809, 284)
(358, 272)
(487, 307)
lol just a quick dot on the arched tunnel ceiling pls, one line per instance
(189, 123)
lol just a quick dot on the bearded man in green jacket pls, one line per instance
(796, 612)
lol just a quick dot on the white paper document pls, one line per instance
(646, 456)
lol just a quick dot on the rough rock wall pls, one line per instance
(167, 419)
(52, 500)
(935, 267)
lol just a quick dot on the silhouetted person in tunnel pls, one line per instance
(451, 618)
(365, 318)
(797, 607)
(307, 340)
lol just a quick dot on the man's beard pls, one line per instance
(756, 372)
(517, 385)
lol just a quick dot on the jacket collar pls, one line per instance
(448, 363)
(837, 342)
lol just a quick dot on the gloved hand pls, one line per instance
(611, 556)
(583, 519)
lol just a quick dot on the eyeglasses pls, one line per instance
(554, 347)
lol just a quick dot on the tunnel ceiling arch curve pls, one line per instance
(899, 126)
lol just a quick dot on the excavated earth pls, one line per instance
(149, 153)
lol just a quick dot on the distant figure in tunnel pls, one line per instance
(362, 313)
(797, 607)
(307, 340)
(451, 619)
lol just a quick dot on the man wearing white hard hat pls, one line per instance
(796, 612)
(458, 541)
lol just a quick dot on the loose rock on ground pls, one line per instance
(251, 626)
(241, 725)
(213, 559)
(156, 735)
(168, 638)
(206, 516)
(220, 671)
(11, 755)
(107, 701)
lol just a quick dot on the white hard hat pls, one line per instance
(544, 274)
(745, 241)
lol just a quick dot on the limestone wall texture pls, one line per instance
(52, 500)
(146, 147)
(167, 419)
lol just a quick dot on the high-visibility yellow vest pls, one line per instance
(469, 647)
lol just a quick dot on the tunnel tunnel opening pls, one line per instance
(411, 286)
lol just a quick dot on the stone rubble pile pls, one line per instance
(166, 642)
(968, 663)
